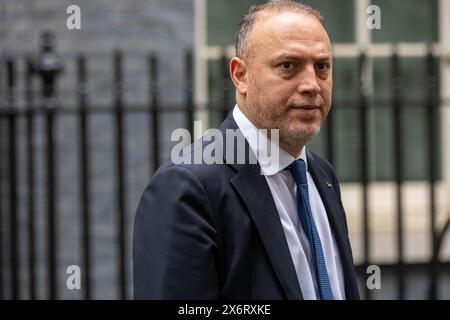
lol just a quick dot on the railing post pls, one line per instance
(398, 168)
(154, 109)
(364, 160)
(2, 265)
(189, 87)
(30, 177)
(51, 200)
(14, 220)
(431, 95)
(120, 167)
(84, 170)
(48, 66)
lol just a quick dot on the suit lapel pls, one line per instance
(335, 215)
(255, 193)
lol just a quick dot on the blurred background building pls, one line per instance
(75, 159)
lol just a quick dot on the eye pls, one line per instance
(286, 66)
(323, 66)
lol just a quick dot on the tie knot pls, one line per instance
(298, 171)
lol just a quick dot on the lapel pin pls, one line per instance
(329, 185)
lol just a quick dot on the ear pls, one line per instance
(238, 73)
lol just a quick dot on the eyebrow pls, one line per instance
(288, 56)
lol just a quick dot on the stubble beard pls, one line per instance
(292, 132)
(297, 134)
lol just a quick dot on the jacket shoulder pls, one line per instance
(321, 163)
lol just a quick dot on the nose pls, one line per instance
(308, 84)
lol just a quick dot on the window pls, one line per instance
(410, 21)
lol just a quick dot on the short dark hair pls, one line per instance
(248, 21)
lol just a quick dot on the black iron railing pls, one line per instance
(46, 105)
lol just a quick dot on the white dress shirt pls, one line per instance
(284, 190)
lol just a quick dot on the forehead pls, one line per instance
(288, 31)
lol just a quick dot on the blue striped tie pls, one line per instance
(298, 171)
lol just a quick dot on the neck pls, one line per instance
(294, 149)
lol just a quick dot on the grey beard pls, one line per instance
(299, 137)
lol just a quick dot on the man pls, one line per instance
(247, 231)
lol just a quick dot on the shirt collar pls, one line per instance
(268, 167)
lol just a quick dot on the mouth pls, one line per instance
(306, 109)
(306, 112)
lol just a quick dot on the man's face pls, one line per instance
(288, 82)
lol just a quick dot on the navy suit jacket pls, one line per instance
(213, 232)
